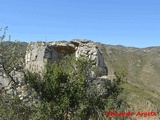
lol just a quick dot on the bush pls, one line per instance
(68, 90)
(12, 108)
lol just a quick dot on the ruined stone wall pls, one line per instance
(39, 53)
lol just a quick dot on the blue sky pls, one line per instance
(126, 22)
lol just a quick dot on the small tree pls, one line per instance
(10, 54)
(11, 107)
(68, 88)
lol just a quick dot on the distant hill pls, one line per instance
(23, 47)
(143, 68)
(142, 65)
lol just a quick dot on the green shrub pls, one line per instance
(12, 108)
(67, 89)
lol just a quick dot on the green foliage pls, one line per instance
(34, 81)
(121, 73)
(10, 56)
(114, 99)
(55, 83)
(67, 89)
(11, 108)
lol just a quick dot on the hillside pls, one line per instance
(142, 65)
(143, 73)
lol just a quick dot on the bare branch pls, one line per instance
(10, 52)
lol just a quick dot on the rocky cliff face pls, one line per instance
(38, 54)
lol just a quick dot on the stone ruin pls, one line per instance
(38, 54)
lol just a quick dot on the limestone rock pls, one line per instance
(38, 54)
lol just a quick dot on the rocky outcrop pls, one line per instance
(38, 54)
